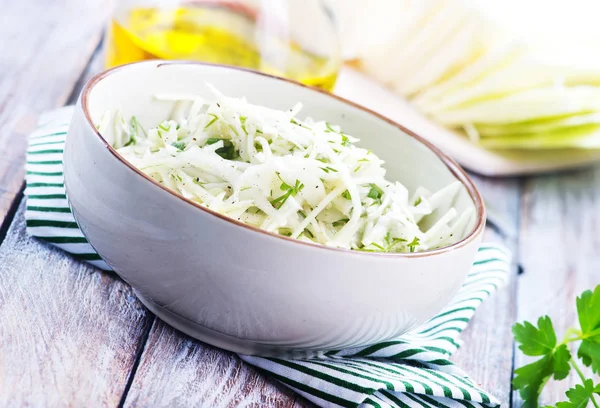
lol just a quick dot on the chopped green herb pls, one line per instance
(293, 121)
(346, 195)
(345, 140)
(375, 192)
(418, 201)
(213, 120)
(130, 142)
(178, 145)
(412, 246)
(329, 128)
(302, 213)
(341, 222)
(284, 186)
(376, 245)
(357, 168)
(243, 122)
(285, 231)
(363, 249)
(212, 140)
(308, 233)
(289, 192)
(328, 169)
(228, 151)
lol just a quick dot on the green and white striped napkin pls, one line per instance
(411, 371)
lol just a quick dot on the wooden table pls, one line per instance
(72, 335)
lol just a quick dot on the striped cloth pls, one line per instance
(410, 371)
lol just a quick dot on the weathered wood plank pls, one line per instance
(176, 370)
(69, 334)
(560, 237)
(487, 353)
(45, 47)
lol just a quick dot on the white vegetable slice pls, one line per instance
(526, 105)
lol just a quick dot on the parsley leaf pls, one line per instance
(579, 396)
(556, 359)
(589, 353)
(534, 341)
(588, 309)
(530, 379)
(560, 362)
(539, 341)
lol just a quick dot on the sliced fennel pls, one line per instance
(475, 70)
(301, 178)
(539, 125)
(526, 105)
(584, 136)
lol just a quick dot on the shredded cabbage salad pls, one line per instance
(304, 179)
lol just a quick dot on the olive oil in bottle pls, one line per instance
(216, 33)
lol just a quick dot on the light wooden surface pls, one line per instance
(73, 336)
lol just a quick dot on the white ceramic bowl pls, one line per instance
(233, 285)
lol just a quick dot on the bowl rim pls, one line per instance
(450, 164)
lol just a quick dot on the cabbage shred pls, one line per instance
(303, 179)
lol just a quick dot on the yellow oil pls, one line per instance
(212, 34)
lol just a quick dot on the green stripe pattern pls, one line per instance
(48, 215)
(412, 370)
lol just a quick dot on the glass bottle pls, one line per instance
(296, 39)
